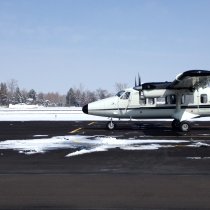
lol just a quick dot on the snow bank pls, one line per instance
(38, 113)
(23, 106)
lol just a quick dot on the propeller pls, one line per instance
(139, 80)
(138, 86)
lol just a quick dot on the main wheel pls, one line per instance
(185, 126)
(175, 124)
(110, 125)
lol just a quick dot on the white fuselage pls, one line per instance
(153, 104)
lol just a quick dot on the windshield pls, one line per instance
(120, 93)
(126, 95)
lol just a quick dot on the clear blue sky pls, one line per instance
(52, 45)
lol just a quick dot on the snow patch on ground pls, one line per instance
(84, 145)
(34, 146)
(40, 135)
(199, 144)
(198, 158)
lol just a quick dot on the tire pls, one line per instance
(185, 126)
(175, 124)
(110, 125)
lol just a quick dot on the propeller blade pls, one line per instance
(138, 86)
(139, 80)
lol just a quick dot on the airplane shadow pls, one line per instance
(149, 129)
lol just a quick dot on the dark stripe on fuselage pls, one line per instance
(158, 107)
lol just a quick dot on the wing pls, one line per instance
(191, 80)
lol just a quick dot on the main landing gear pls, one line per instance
(183, 126)
(111, 125)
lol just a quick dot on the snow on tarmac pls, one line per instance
(79, 145)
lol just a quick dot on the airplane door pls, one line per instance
(123, 103)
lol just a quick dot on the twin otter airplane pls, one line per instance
(187, 97)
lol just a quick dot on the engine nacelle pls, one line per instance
(158, 93)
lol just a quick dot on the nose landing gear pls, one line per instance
(111, 125)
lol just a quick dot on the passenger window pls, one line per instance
(161, 100)
(151, 101)
(183, 99)
(172, 99)
(203, 98)
(125, 95)
(142, 101)
(167, 99)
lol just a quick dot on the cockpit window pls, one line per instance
(120, 93)
(125, 95)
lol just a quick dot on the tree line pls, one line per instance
(10, 93)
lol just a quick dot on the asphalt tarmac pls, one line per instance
(167, 178)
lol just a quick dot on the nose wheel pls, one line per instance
(110, 125)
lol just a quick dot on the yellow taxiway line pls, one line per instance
(78, 129)
(91, 123)
(74, 131)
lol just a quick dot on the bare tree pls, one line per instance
(54, 98)
(17, 96)
(120, 86)
(101, 94)
(12, 85)
(24, 94)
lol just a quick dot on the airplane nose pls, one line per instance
(85, 109)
